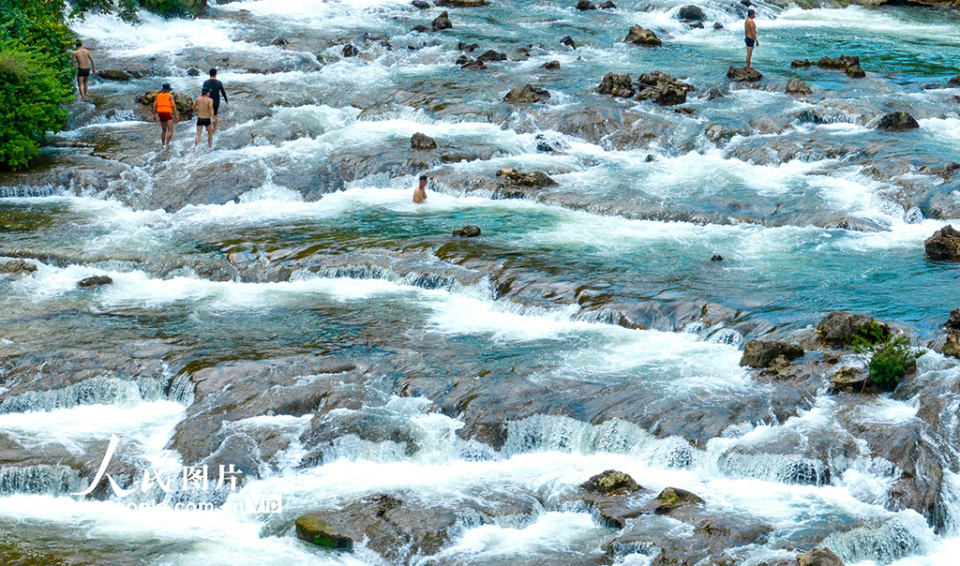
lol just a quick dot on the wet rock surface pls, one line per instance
(643, 37)
(944, 244)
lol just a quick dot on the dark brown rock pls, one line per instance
(95, 281)
(897, 122)
(839, 328)
(761, 353)
(944, 244)
(442, 22)
(350, 51)
(740, 74)
(461, 3)
(819, 557)
(469, 231)
(534, 179)
(420, 4)
(526, 94)
(620, 86)
(491, 55)
(552, 65)
(673, 498)
(955, 81)
(662, 89)
(691, 13)
(643, 37)
(568, 41)
(421, 141)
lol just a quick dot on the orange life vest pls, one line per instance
(165, 102)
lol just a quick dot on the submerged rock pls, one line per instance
(551, 66)
(944, 244)
(839, 328)
(535, 179)
(469, 231)
(761, 353)
(741, 74)
(350, 51)
(897, 122)
(95, 281)
(586, 5)
(642, 36)
(420, 141)
(819, 557)
(461, 3)
(526, 94)
(797, 87)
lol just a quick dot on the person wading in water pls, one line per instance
(165, 112)
(420, 192)
(216, 89)
(85, 66)
(750, 29)
(203, 106)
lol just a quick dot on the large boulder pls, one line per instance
(611, 482)
(840, 328)
(620, 86)
(420, 141)
(741, 74)
(526, 94)
(819, 557)
(609, 494)
(761, 353)
(662, 89)
(944, 244)
(534, 179)
(642, 36)
(897, 122)
(314, 529)
(797, 87)
(691, 14)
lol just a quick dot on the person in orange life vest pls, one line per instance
(165, 112)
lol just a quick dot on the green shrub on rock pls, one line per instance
(887, 359)
(127, 9)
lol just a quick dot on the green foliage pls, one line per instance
(36, 76)
(127, 9)
(887, 359)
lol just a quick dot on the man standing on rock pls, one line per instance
(85, 66)
(420, 192)
(750, 29)
(203, 106)
(216, 88)
(165, 112)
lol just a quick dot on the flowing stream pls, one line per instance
(278, 302)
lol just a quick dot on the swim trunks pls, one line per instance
(83, 72)
(201, 122)
(750, 41)
(164, 116)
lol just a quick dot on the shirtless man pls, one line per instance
(750, 30)
(203, 106)
(165, 112)
(85, 67)
(420, 192)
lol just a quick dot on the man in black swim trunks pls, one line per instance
(203, 106)
(750, 29)
(216, 88)
(85, 66)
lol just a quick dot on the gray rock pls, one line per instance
(662, 89)
(442, 22)
(551, 66)
(17, 267)
(420, 4)
(620, 86)
(491, 56)
(674, 498)
(611, 482)
(944, 244)
(533, 179)
(691, 13)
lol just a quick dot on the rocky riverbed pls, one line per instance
(621, 330)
